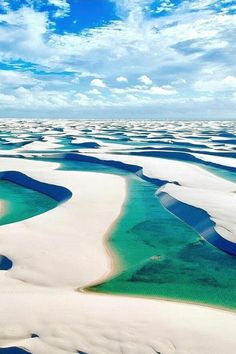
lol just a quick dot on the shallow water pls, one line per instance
(21, 203)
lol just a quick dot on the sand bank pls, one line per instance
(65, 246)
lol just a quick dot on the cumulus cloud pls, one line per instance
(97, 83)
(4, 5)
(143, 89)
(132, 9)
(63, 7)
(95, 92)
(225, 84)
(145, 80)
(121, 79)
(164, 6)
(6, 100)
(22, 35)
(11, 78)
(156, 90)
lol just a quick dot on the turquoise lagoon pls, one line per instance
(21, 203)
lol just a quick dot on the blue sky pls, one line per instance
(118, 59)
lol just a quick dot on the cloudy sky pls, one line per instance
(118, 59)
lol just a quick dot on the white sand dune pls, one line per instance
(220, 160)
(66, 322)
(63, 249)
(221, 206)
(70, 236)
(39, 145)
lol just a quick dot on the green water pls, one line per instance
(163, 257)
(22, 203)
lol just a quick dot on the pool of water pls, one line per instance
(21, 203)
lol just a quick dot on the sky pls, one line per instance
(165, 59)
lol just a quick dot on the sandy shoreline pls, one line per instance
(62, 250)
(115, 262)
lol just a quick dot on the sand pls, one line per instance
(66, 321)
(69, 237)
(219, 160)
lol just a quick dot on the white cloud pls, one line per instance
(165, 5)
(225, 84)
(145, 80)
(179, 81)
(156, 44)
(199, 5)
(7, 99)
(76, 79)
(156, 90)
(9, 78)
(4, 5)
(37, 98)
(139, 89)
(95, 92)
(121, 79)
(97, 83)
(87, 74)
(22, 36)
(63, 7)
(132, 9)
